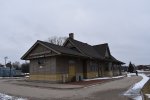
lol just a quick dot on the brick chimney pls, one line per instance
(71, 35)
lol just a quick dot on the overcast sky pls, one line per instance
(124, 24)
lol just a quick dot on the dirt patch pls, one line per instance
(146, 90)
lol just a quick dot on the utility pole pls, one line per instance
(10, 69)
(5, 58)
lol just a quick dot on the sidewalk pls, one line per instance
(70, 85)
(47, 85)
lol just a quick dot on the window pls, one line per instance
(41, 61)
(93, 66)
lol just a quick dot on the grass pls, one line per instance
(146, 88)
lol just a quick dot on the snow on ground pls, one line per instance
(7, 97)
(142, 82)
(134, 91)
(148, 95)
(130, 74)
(138, 98)
(103, 78)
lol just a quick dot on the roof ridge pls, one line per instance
(101, 44)
(86, 48)
(83, 42)
(79, 41)
(49, 43)
(61, 49)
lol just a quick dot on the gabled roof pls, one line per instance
(56, 48)
(61, 49)
(101, 49)
(117, 61)
(79, 49)
(85, 48)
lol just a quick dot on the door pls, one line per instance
(72, 73)
(84, 70)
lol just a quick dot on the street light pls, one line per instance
(5, 58)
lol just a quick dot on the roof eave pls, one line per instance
(37, 42)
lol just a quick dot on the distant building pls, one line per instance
(7, 72)
(143, 67)
(73, 61)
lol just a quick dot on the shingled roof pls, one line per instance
(61, 49)
(101, 49)
(117, 61)
(85, 49)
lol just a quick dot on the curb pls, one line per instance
(72, 88)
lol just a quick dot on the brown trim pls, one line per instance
(41, 53)
(50, 48)
(41, 56)
(72, 44)
(23, 57)
(29, 50)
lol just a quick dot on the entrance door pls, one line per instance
(72, 73)
(84, 69)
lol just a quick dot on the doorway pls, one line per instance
(72, 71)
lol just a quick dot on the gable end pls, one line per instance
(39, 50)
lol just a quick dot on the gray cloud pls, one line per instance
(124, 24)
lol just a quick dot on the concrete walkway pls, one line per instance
(65, 86)
(46, 85)
(112, 90)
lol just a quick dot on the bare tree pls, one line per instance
(25, 67)
(16, 65)
(57, 40)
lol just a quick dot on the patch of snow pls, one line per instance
(134, 91)
(10, 77)
(7, 97)
(21, 99)
(148, 95)
(103, 78)
(138, 98)
(142, 82)
(118, 77)
(27, 76)
(130, 74)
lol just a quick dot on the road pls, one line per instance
(112, 90)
